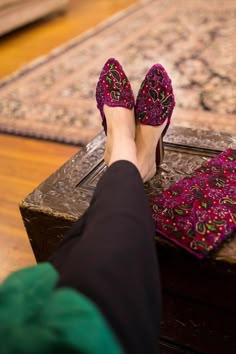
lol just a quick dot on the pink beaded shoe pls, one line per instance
(155, 103)
(113, 89)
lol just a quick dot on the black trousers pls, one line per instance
(109, 255)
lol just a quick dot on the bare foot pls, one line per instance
(120, 129)
(147, 137)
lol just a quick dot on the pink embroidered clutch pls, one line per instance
(199, 212)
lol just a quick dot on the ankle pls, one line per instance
(123, 148)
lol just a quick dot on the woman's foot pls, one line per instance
(147, 138)
(153, 110)
(115, 100)
(120, 143)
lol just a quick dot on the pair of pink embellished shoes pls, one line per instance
(154, 104)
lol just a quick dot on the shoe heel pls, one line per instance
(160, 151)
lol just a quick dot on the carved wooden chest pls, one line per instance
(199, 297)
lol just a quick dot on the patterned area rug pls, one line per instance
(53, 98)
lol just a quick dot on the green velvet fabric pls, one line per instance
(37, 318)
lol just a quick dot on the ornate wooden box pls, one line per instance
(199, 297)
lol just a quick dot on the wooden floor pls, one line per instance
(24, 163)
